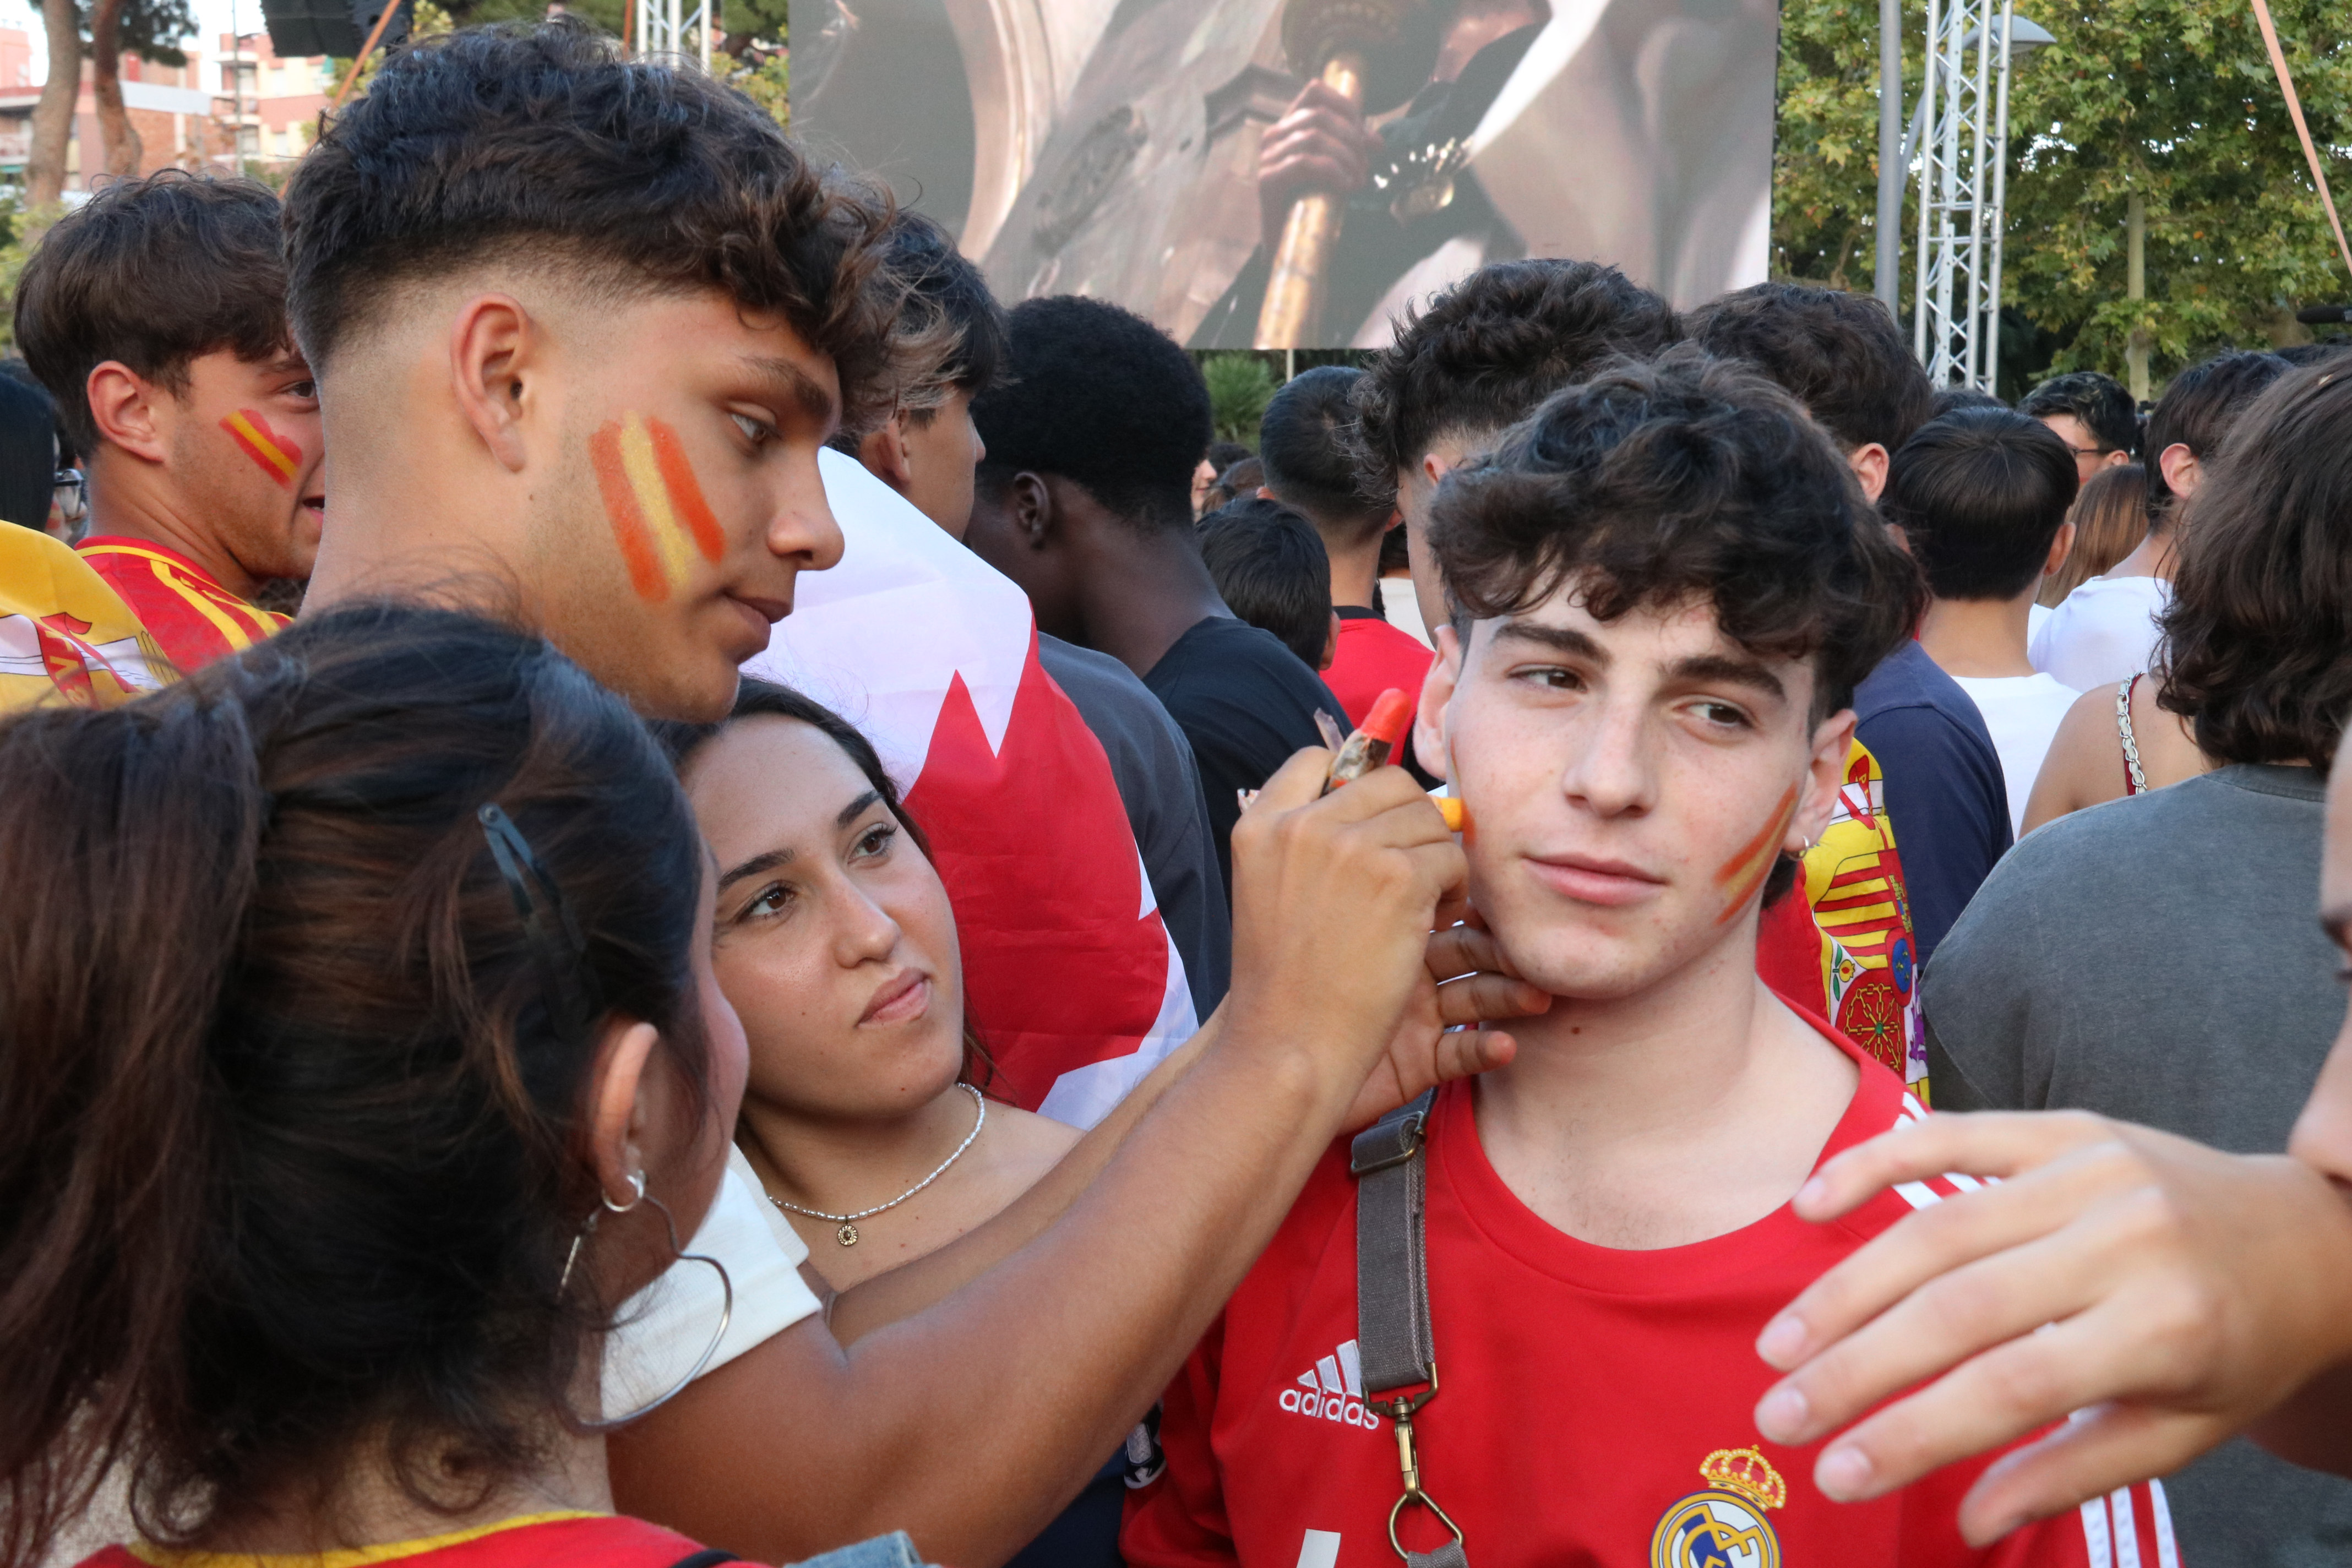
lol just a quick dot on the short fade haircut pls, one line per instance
(2197, 411)
(1271, 570)
(2257, 649)
(1979, 495)
(1307, 441)
(1683, 479)
(1105, 399)
(154, 273)
(1489, 349)
(1840, 355)
(2102, 404)
(534, 146)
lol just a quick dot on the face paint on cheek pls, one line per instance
(1751, 863)
(273, 454)
(659, 518)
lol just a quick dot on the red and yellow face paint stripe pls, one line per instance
(1741, 875)
(659, 518)
(274, 454)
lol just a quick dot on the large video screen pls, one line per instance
(1156, 152)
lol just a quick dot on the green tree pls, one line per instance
(2171, 101)
(1240, 386)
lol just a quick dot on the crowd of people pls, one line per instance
(497, 1067)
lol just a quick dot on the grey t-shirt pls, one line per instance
(1160, 786)
(2158, 959)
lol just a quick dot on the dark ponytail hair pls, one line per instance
(756, 699)
(290, 1127)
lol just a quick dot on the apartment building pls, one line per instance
(168, 106)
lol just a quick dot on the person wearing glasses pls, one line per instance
(156, 316)
(2093, 414)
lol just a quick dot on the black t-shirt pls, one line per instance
(1246, 703)
(1160, 786)
(1944, 787)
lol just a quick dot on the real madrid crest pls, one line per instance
(1724, 1526)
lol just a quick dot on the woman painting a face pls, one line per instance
(832, 937)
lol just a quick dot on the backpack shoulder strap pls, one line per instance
(1392, 1331)
(1395, 1342)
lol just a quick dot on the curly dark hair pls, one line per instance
(154, 273)
(1102, 397)
(2258, 638)
(1487, 351)
(1684, 478)
(536, 146)
(1841, 354)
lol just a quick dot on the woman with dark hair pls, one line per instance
(359, 1055)
(864, 1112)
(865, 1116)
(2156, 959)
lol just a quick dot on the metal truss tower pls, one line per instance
(1963, 179)
(666, 29)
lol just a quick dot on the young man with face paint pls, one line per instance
(155, 314)
(583, 326)
(1668, 584)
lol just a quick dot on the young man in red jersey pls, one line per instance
(156, 317)
(1668, 586)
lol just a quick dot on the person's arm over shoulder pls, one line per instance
(1177, 1519)
(1945, 792)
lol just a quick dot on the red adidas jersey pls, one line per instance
(538, 1540)
(1597, 1405)
(191, 617)
(1371, 656)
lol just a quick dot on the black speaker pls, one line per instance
(299, 27)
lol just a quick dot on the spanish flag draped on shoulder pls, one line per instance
(65, 635)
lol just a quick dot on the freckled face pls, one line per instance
(1632, 783)
(696, 500)
(834, 937)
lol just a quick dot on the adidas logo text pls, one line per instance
(1333, 1391)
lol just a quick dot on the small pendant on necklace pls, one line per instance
(846, 1234)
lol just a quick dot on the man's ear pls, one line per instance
(1824, 777)
(1869, 462)
(883, 453)
(1437, 689)
(619, 1111)
(1029, 507)
(493, 346)
(2061, 547)
(1435, 467)
(2182, 472)
(127, 409)
(1330, 643)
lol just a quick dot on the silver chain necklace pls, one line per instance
(847, 1223)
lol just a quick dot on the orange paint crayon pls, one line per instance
(1374, 742)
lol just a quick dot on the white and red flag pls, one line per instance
(1069, 974)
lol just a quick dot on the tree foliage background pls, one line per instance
(2170, 100)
